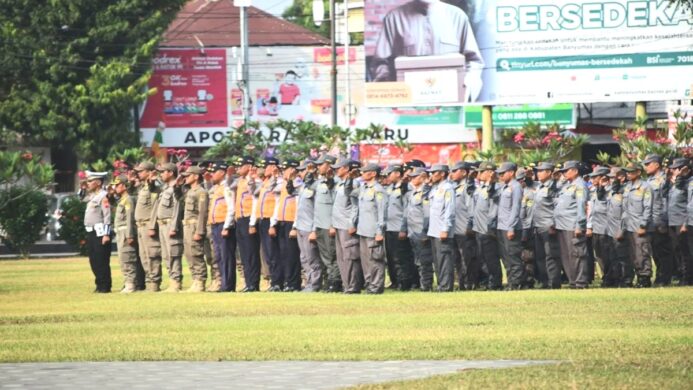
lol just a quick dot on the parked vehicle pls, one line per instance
(55, 202)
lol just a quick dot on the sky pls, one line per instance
(275, 7)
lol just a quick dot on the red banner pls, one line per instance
(190, 89)
(428, 153)
(323, 55)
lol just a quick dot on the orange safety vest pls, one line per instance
(244, 199)
(267, 201)
(287, 206)
(217, 206)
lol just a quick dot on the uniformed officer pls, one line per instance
(371, 229)
(149, 246)
(97, 222)
(467, 262)
(222, 223)
(547, 248)
(282, 226)
(441, 226)
(416, 217)
(510, 225)
(620, 265)
(126, 234)
(167, 218)
(571, 223)
(246, 233)
(597, 224)
(304, 226)
(677, 215)
(398, 249)
(662, 251)
(524, 176)
(195, 227)
(483, 221)
(215, 274)
(265, 205)
(637, 211)
(344, 214)
(324, 233)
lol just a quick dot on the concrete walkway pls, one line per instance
(231, 375)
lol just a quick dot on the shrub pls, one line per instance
(22, 218)
(72, 224)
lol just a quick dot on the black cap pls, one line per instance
(600, 171)
(244, 160)
(216, 166)
(414, 164)
(570, 165)
(371, 167)
(289, 164)
(679, 162)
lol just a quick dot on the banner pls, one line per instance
(428, 153)
(519, 51)
(520, 115)
(420, 125)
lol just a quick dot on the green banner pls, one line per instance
(517, 116)
(428, 115)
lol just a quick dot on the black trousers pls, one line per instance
(100, 261)
(663, 256)
(548, 257)
(249, 246)
(225, 256)
(487, 246)
(467, 261)
(289, 256)
(400, 253)
(511, 253)
(270, 247)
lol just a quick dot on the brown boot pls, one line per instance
(129, 288)
(197, 286)
(153, 287)
(214, 286)
(173, 286)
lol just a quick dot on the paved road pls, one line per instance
(227, 375)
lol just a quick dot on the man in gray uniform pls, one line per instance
(304, 226)
(149, 246)
(126, 233)
(677, 215)
(571, 222)
(97, 223)
(441, 226)
(510, 225)
(323, 232)
(483, 222)
(468, 264)
(547, 248)
(397, 245)
(637, 211)
(662, 251)
(344, 213)
(597, 224)
(620, 264)
(371, 229)
(167, 217)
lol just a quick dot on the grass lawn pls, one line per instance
(605, 338)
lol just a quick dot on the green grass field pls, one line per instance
(604, 338)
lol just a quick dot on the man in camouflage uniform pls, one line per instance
(126, 234)
(148, 245)
(195, 227)
(166, 218)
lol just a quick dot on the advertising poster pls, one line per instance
(420, 124)
(190, 90)
(518, 115)
(518, 51)
(429, 153)
(293, 83)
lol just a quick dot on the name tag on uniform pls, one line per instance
(308, 193)
(484, 193)
(418, 196)
(371, 192)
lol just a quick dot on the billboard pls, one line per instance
(518, 115)
(420, 125)
(428, 153)
(190, 90)
(499, 52)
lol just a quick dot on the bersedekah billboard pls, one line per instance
(526, 51)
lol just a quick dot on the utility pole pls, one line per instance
(245, 70)
(333, 42)
(346, 63)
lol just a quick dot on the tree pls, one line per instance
(72, 70)
(301, 13)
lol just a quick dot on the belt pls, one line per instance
(163, 221)
(190, 221)
(121, 228)
(142, 223)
